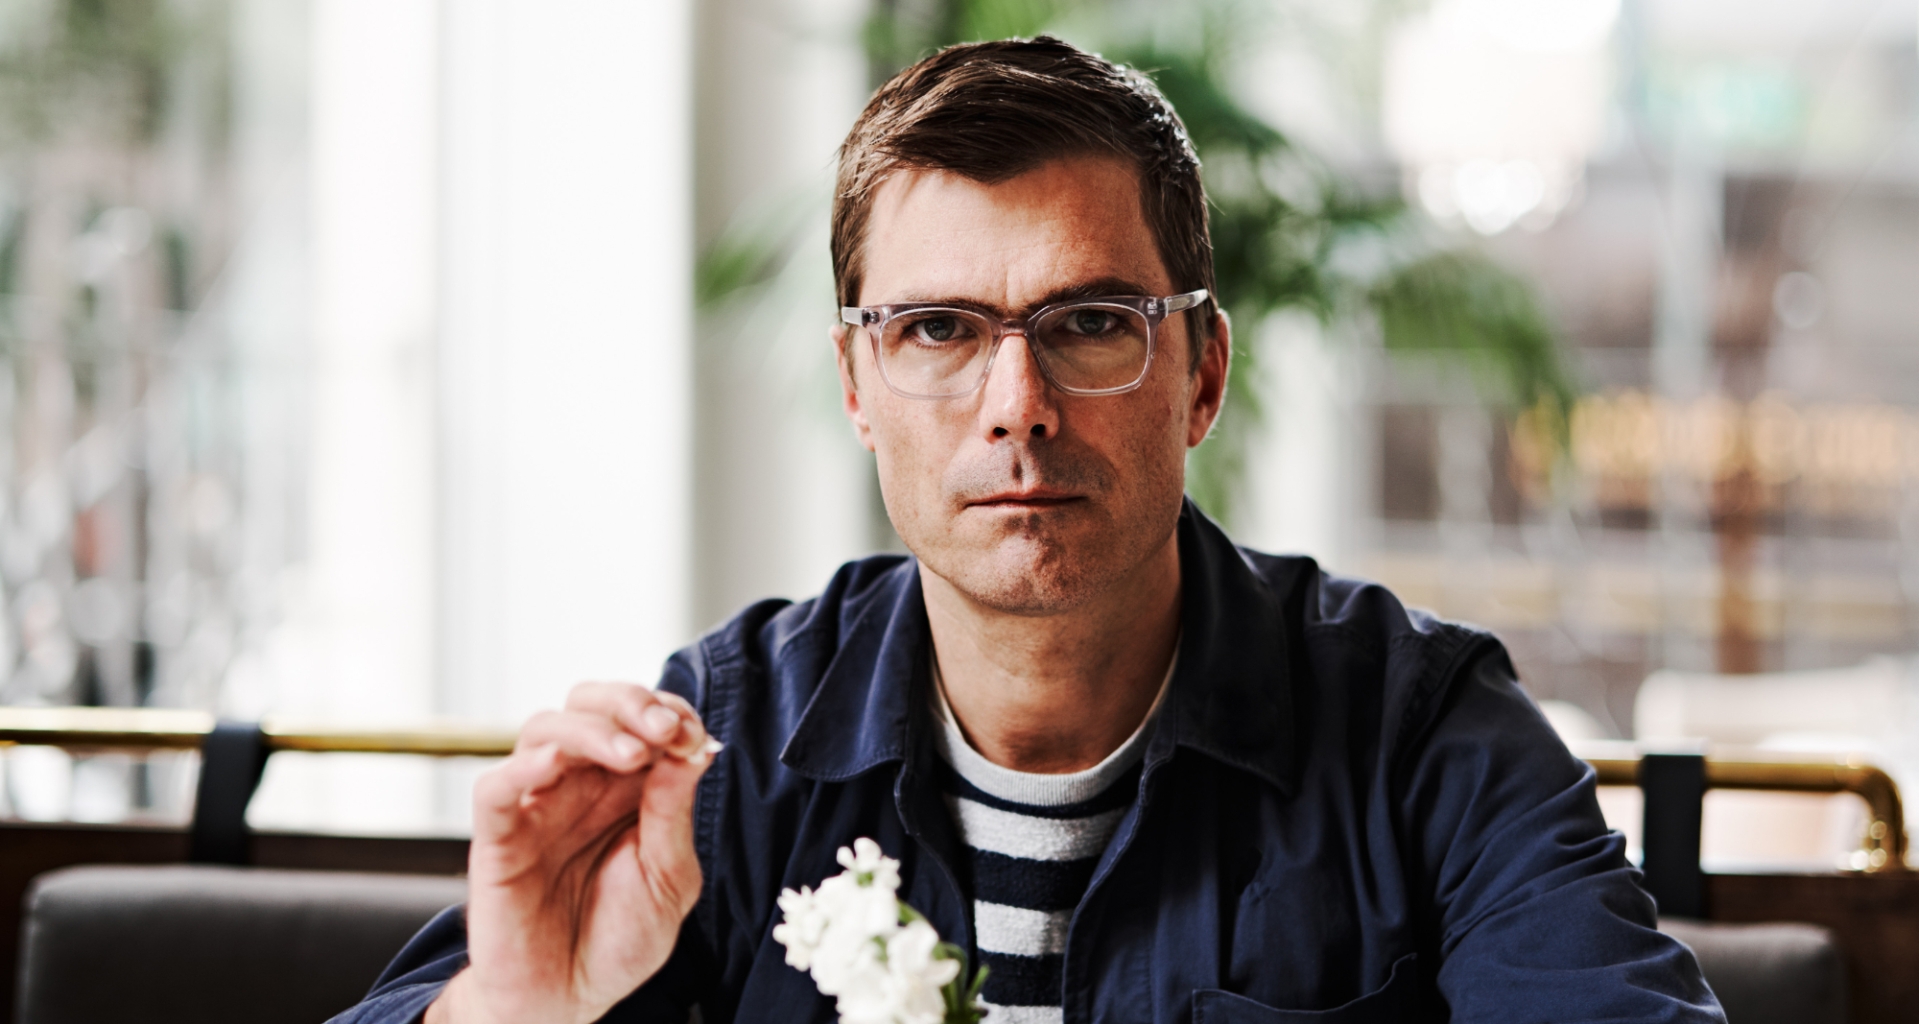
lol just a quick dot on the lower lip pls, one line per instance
(1029, 504)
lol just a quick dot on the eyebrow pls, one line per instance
(1100, 287)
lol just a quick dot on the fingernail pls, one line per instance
(711, 747)
(626, 746)
(660, 719)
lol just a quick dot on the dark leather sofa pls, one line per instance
(212, 945)
(225, 945)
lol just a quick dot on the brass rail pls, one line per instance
(437, 739)
(166, 729)
(1733, 768)
(1616, 763)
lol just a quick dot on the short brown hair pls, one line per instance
(992, 111)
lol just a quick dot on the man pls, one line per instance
(1142, 774)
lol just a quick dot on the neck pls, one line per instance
(1057, 693)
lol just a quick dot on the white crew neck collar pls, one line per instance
(1036, 788)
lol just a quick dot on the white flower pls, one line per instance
(866, 860)
(848, 934)
(804, 925)
(904, 987)
(824, 930)
(859, 921)
(918, 973)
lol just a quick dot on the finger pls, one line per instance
(629, 705)
(497, 793)
(664, 720)
(684, 736)
(693, 736)
(666, 851)
(595, 739)
(608, 698)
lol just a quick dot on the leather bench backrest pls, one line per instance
(1768, 973)
(211, 945)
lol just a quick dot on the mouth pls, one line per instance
(1017, 501)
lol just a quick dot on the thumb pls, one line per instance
(666, 825)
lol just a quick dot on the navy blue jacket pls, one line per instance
(1348, 812)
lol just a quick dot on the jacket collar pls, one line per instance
(1231, 695)
(1232, 691)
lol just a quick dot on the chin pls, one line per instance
(1040, 564)
(1022, 576)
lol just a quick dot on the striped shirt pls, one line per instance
(1033, 841)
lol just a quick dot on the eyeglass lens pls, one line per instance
(940, 352)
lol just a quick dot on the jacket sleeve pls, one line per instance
(417, 975)
(1537, 914)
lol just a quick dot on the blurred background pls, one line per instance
(382, 359)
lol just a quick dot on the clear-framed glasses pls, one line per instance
(1099, 346)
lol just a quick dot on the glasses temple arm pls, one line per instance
(1176, 303)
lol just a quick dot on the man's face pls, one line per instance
(1025, 499)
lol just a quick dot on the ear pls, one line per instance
(843, 357)
(1209, 381)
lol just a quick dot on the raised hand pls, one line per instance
(582, 866)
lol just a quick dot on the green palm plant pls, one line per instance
(1290, 232)
(105, 68)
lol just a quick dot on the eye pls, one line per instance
(937, 328)
(1089, 321)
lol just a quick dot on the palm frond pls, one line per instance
(1463, 304)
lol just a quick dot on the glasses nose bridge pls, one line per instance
(1006, 328)
(1020, 325)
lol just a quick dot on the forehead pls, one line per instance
(938, 235)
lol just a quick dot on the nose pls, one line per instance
(1018, 402)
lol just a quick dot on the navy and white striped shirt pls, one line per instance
(1033, 841)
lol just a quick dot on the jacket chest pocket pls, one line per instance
(1392, 1003)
